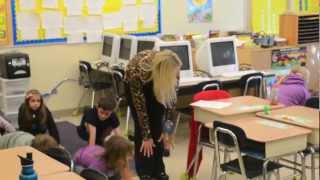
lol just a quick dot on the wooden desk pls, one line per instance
(43, 164)
(300, 116)
(241, 107)
(279, 138)
(62, 176)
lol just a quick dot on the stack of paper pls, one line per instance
(211, 104)
(273, 124)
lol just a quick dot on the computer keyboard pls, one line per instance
(193, 79)
(238, 73)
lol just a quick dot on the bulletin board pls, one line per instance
(78, 21)
(5, 28)
(265, 13)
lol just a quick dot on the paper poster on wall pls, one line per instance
(287, 58)
(199, 11)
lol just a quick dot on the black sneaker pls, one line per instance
(162, 176)
(145, 177)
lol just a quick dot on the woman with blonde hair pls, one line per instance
(152, 80)
(34, 117)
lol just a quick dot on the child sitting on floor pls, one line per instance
(111, 159)
(99, 122)
(34, 117)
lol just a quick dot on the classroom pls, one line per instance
(159, 89)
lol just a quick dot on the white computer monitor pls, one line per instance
(183, 50)
(218, 56)
(110, 47)
(146, 43)
(127, 49)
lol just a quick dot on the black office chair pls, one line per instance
(313, 102)
(209, 85)
(234, 137)
(93, 79)
(61, 155)
(253, 80)
(92, 174)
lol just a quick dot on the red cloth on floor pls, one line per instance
(194, 126)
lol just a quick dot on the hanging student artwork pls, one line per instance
(199, 11)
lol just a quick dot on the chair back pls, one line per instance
(227, 139)
(232, 137)
(61, 155)
(251, 80)
(84, 70)
(313, 102)
(91, 174)
(209, 85)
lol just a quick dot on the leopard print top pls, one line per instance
(138, 73)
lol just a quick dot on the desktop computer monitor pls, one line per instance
(218, 56)
(146, 43)
(183, 50)
(128, 48)
(110, 47)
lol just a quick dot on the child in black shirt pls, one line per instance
(99, 122)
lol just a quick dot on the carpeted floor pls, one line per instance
(69, 137)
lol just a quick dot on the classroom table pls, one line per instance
(44, 165)
(273, 139)
(299, 116)
(304, 117)
(240, 107)
(278, 138)
(62, 176)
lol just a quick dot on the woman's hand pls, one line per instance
(167, 140)
(147, 147)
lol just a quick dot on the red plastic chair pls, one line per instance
(194, 128)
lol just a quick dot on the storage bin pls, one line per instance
(14, 86)
(11, 103)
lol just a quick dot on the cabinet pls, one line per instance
(12, 94)
(300, 28)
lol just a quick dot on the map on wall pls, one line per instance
(199, 11)
(77, 21)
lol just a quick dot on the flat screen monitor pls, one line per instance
(183, 51)
(218, 56)
(110, 47)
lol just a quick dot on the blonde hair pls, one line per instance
(303, 71)
(164, 69)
